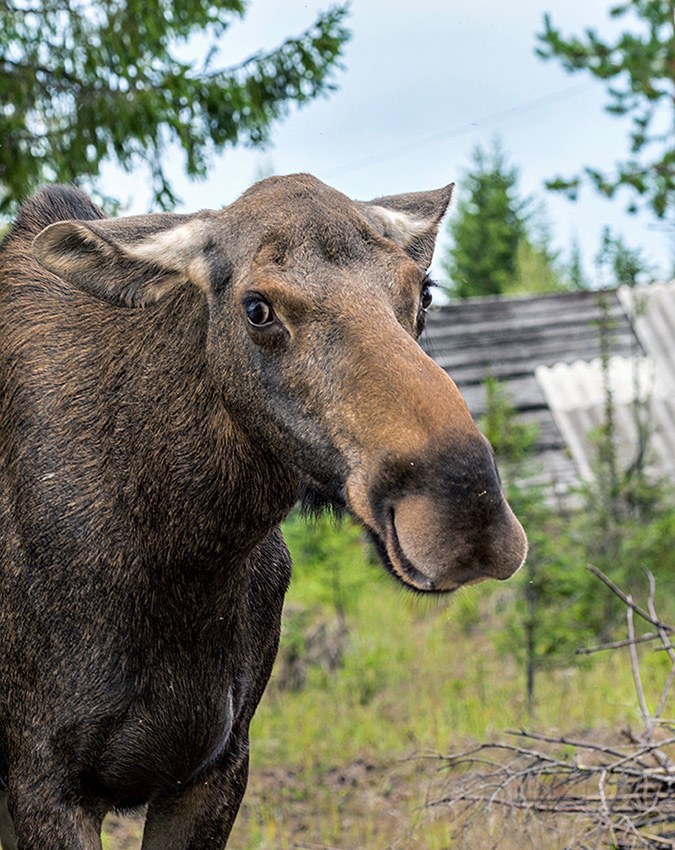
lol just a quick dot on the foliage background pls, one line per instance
(84, 83)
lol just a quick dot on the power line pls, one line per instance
(454, 132)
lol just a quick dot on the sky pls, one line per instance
(422, 85)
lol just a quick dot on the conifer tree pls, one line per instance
(498, 245)
(485, 228)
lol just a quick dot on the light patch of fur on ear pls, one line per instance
(401, 227)
(62, 247)
(178, 249)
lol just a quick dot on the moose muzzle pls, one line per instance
(428, 487)
(440, 520)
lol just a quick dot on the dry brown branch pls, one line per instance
(587, 793)
(635, 664)
(622, 596)
(664, 640)
(617, 644)
(628, 797)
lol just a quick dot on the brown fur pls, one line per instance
(151, 440)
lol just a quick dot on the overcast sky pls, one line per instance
(423, 84)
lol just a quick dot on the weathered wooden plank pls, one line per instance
(450, 319)
(498, 336)
(570, 325)
(511, 357)
(507, 338)
(524, 393)
(556, 471)
(512, 307)
(548, 434)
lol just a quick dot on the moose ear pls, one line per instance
(410, 220)
(127, 261)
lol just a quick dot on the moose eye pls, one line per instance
(427, 297)
(259, 312)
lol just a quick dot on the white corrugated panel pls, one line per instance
(576, 395)
(651, 310)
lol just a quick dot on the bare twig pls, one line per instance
(639, 611)
(652, 610)
(646, 717)
(664, 640)
(565, 741)
(623, 758)
(604, 807)
(617, 644)
(314, 846)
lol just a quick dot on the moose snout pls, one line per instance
(439, 547)
(441, 520)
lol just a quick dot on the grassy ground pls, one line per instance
(333, 763)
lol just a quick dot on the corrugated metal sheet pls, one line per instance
(651, 310)
(577, 393)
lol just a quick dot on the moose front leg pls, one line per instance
(201, 816)
(7, 835)
(41, 821)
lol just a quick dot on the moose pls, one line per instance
(170, 387)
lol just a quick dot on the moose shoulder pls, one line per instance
(170, 385)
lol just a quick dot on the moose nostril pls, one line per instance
(400, 560)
